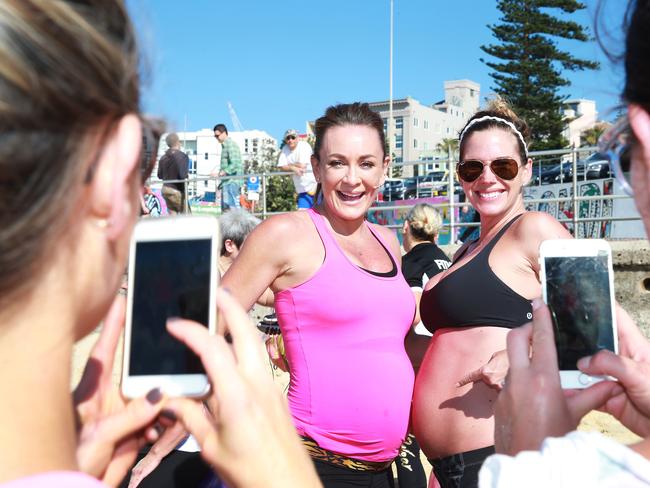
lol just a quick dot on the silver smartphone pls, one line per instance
(578, 287)
(172, 273)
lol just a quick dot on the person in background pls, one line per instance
(534, 417)
(342, 305)
(231, 165)
(295, 156)
(470, 307)
(173, 165)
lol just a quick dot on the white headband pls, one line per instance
(496, 119)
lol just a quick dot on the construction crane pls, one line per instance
(233, 117)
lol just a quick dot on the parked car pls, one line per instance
(597, 166)
(561, 173)
(393, 189)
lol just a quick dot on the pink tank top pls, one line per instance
(351, 380)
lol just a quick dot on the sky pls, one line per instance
(281, 64)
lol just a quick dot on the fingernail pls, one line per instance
(169, 415)
(174, 319)
(537, 303)
(227, 290)
(154, 396)
(583, 363)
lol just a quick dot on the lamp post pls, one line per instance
(390, 87)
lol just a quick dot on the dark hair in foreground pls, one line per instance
(498, 107)
(69, 72)
(637, 54)
(356, 113)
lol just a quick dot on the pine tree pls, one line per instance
(530, 75)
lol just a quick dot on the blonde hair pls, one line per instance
(424, 222)
(68, 73)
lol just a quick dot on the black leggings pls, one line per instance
(410, 473)
(460, 470)
(339, 477)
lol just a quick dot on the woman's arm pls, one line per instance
(263, 257)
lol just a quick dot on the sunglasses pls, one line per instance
(615, 144)
(470, 169)
(289, 138)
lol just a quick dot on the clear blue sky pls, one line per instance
(282, 63)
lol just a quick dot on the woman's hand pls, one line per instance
(111, 430)
(248, 437)
(493, 373)
(532, 405)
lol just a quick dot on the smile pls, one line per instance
(489, 195)
(350, 197)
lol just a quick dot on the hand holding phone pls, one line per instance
(577, 284)
(172, 273)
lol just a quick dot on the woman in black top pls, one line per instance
(423, 259)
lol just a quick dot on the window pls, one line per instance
(385, 124)
(398, 140)
(399, 122)
(426, 124)
(415, 122)
(415, 143)
(205, 156)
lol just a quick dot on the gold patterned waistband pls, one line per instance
(317, 452)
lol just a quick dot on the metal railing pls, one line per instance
(559, 161)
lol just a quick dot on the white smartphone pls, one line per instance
(578, 287)
(172, 273)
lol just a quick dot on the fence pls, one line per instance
(549, 167)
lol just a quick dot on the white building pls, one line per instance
(418, 128)
(580, 114)
(204, 151)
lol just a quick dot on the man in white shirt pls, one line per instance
(295, 157)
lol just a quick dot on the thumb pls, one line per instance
(592, 398)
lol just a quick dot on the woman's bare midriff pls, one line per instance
(448, 419)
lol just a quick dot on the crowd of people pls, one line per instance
(486, 407)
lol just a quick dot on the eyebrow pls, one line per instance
(341, 156)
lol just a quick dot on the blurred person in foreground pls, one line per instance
(74, 156)
(533, 415)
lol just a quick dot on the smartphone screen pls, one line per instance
(578, 294)
(171, 279)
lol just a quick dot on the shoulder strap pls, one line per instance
(383, 243)
(503, 230)
(322, 230)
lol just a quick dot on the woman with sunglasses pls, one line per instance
(471, 307)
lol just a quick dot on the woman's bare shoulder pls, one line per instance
(540, 226)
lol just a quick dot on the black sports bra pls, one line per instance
(475, 296)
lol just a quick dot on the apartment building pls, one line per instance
(419, 128)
